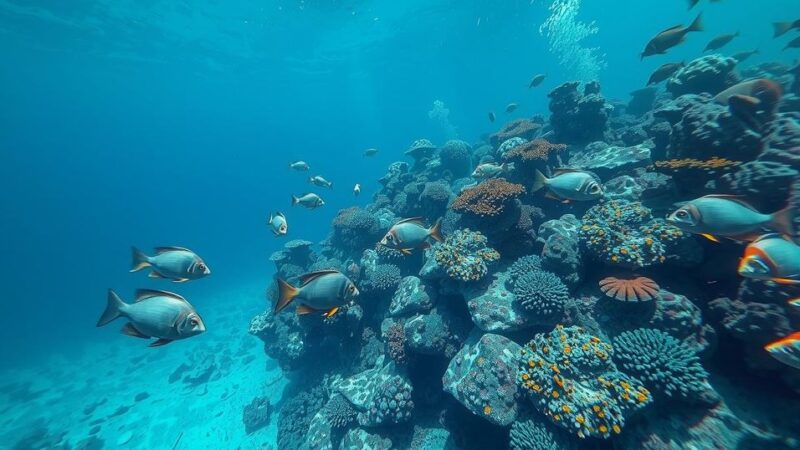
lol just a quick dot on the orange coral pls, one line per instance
(523, 128)
(538, 149)
(489, 198)
(639, 289)
(715, 163)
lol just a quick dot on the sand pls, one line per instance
(186, 395)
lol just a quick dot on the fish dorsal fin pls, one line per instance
(280, 214)
(414, 220)
(768, 236)
(676, 27)
(734, 198)
(309, 277)
(161, 250)
(563, 170)
(144, 294)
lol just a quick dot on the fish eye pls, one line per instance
(194, 322)
(595, 188)
(351, 288)
(682, 214)
(201, 266)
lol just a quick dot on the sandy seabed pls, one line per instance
(186, 395)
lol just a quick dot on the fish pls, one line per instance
(325, 291)
(309, 200)
(155, 314)
(321, 182)
(491, 117)
(720, 41)
(370, 152)
(771, 257)
(410, 234)
(726, 216)
(300, 166)
(174, 263)
(747, 99)
(671, 37)
(782, 28)
(786, 350)
(741, 56)
(278, 224)
(568, 185)
(357, 189)
(489, 170)
(794, 43)
(536, 80)
(664, 72)
(511, 107)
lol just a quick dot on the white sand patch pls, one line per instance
(199, 407)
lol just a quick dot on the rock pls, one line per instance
(257, 414)
(410, 297)
(709, 74)
(482, 377)
(358, 439)
(380, 395)
(609, 161)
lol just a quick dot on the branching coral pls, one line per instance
(532, 435)
(573, 381)
(538, 149)
(541, 293)
(624, 233)
(665, 365)
(464, 255)
(520, 128)
(524, 265)
(489, 198)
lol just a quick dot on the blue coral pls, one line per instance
(541, 293)
(665, 364)
(523, 265)
(573, 381)
(532, 435)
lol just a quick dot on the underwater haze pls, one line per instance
(532, 224)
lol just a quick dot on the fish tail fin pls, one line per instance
(113, 309)
(539, 181)
(287, 293)
(782, 221)
(139, 260)
(781, 28)
(295, 200)
(697, 25)
(436, 230)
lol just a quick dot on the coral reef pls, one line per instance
(411, 297)
(482, 377)
(709, 74)
(578, 117)
(529, 434)
(573, 381)
(489, 198)
(608, 160)
(463, 256)
(541, 293)
(639, 289)
(520, 128)
(664, 364)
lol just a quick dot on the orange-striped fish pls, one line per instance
(772, 257)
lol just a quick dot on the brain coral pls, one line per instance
(541, 293)
(624, 233)
(665, 365)
(488, 198)
(572, 379)
(464, 256)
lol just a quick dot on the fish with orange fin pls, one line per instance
(410, 234)
(771, 258)
(324, 291)
(748, 99)
(728, 216)
(786, 350)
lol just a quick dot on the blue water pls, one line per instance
(153, 123)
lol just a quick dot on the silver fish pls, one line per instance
(714, 216)
(511, 107)
(155, 314)
(771, 257)
(309, 200)
(321, 182)
(300, 166)
(489, 170)
(324, 291)
(569, 184)
(410, 234)
(175, 263)
(536, 80)
(278, 224)
(370, 152)
(357, 190)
